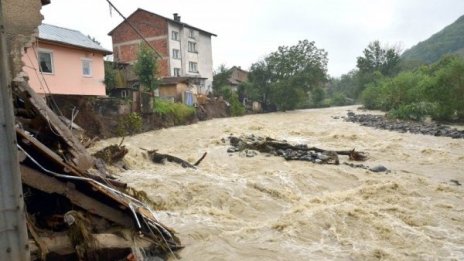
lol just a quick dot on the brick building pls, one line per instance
(237, 77)
(186, 50)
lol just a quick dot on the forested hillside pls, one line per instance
(450, 40)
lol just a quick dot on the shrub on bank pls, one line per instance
(179, 111)
(129, 124)
(414, 111)
(436, 90)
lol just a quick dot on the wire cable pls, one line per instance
(135, 29)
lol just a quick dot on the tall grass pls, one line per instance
(180, 112)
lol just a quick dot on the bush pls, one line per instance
(129, 124)
(371, 97)
(447, 88)
(436, 90)
(414, 111)
(236, 108)
(338, 99)
(179, 111)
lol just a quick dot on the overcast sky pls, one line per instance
(250, 29)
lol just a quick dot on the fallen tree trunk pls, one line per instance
(162, 158)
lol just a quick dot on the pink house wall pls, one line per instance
(67, 77)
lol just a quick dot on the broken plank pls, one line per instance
(59, 243)
(45, 183)
(82, 159)
(31, 141)
(43, 250)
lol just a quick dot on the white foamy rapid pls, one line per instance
(265, 208)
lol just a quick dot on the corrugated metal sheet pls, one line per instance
(68, 36)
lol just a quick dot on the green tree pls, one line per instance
(347, 85)
(220, 79)
(146, 67)
(221, 87)
(110, 76)
(317, 96)
(376, 61)
(285, 76)
(258, 87)
(376, 58)
(447, 88)
(436, 90)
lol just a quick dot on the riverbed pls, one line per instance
(265, 208)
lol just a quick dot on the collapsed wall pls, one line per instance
(74, 208)
(21, 19)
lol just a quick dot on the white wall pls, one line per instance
(205, 60)
(173, 44)
(204, 57)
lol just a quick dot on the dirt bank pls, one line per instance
(100, 117)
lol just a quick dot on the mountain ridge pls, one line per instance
(449, 40)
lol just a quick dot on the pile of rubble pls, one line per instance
(75, 208)
(381, 122)
(251, 143)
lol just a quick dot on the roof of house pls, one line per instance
(71, 37)
(239, 77)
(169, 19)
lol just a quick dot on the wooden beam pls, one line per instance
(45, 183)
(58, 160)
(59, 243)
(81, 158)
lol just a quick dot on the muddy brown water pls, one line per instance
(265, 208)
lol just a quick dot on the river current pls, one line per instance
(265, 208)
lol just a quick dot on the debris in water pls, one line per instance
(252, 144)
(85, 208)
(111, 154)
(162, 158)
(378, 168)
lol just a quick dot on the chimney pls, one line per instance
(176, 17)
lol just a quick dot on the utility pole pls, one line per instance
(14, 243)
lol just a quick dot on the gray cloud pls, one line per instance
(248, 30)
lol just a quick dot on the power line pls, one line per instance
(133, 28)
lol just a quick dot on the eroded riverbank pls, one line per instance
(238, 208)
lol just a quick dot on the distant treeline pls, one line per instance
(428, 79)
(435, 90)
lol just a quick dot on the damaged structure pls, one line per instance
(68, 207)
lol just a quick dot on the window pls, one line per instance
(191, 34)
(46, 61)
(86, 67)
(176, 72)
(175, 53)
(175, 36)
(192, 47)
(193, 67)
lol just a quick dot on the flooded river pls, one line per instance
(265, 208)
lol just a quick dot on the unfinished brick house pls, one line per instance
(186, 50)
(237, 77)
